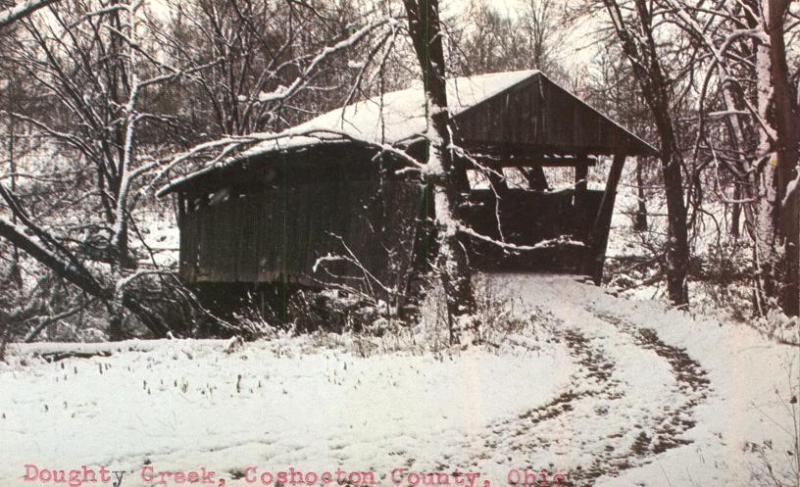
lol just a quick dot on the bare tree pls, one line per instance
(268, 76)
(445, 172)
(635, 26)
(749, 64)
(488, 40)
(609, 90)
(103, 74)
(543, 27)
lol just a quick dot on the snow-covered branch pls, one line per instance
(19, 12)
(286, 92)
(563, 241)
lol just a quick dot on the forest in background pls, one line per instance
(101, 102)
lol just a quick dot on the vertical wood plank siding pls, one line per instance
(540, 114)
(280, 234)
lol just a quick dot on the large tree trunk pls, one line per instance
(787, 125)
(777, 233)
(656, 92)
(677, 246)
(640, 49)
(445, 172)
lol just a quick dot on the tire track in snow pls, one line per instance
(692, 384)
(593, 391)
(691, 388)
(637, 424)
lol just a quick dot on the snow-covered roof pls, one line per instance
(395, 116)
(391, 118)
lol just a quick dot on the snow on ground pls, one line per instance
(617, 393)
(183, 404)
(734, 397)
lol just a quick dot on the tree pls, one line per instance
(487, 40)
(609, 90)
(444, 171)
(745, 43)
(268, 77)
(95, 85)
(100, 72)
(785, 209)
(637, 35)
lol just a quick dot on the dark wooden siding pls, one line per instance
(279, 234)
(538, 116)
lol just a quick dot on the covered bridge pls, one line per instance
(325, 202)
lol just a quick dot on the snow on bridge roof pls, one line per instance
(399, 116)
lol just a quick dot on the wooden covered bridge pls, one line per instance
(325, 202)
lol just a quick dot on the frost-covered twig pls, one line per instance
(352, 258)
(563, 241)
(302, 80)
(19, 12)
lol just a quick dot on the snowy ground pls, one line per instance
(617, 393)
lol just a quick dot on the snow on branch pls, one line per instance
(286, 92)
(728, 113)
(562, 241)
(8, 17)
(96, 13)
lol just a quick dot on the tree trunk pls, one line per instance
(736, 211)
(640, 219)
(678, 246)
(787, 125)
(16, 272)
(677, 255)
(64, 269)
(446, 173)
(640, 49)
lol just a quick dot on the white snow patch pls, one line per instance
(398, 115)
(182, 404)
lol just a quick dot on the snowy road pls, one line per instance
(661, 398)
(618, 393)
(631, 397)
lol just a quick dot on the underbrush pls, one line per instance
(722, 281)
(776, 462)
(337, 319)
